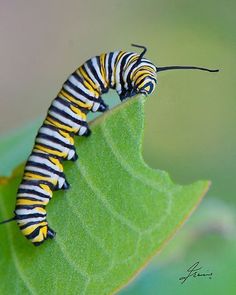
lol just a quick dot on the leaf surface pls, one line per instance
(117, 214)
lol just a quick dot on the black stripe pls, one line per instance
(49, 116)
(75, 98)
(85, 79)
(129, 81)
(38, 154)
(77, 77)
(110, 68)
(81, 92)
(54, 128)
(66, 115)
(34, 234)
(37, 173)
(37, 182)
(29, 224)
(31, 192)
(68, 104)
(29, 207)
(122, 82)
(34, 215)
(55, 140)
(80, 80)
(103, 88)
(145, 77)
(43, 166)
(48, 147)
(42, 154)
(94, 72)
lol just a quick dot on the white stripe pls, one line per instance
(36, 188)
(46, 172)
(54, 133)
(60, 179)
(29, 195)
(38, 159)
(127, 72)
(118, 84)
(77, 95)
(127, 69)
(22, 211)
(78, 84)
(31, 219)
(61, 107)
(64, 120)
(106, 67)
(97, 69)
(113, 67)
(91, 76)
(51, 144)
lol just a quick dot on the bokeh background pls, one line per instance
(190, 119)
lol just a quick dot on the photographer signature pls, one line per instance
(193, 271)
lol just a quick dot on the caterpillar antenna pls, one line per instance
(160, 69)
(8, 220)
(142, 53)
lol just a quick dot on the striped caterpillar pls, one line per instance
(129, 74)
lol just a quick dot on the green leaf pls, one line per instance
(116, 216)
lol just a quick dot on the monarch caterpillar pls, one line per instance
(129, 74)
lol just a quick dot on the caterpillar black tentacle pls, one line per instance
(129, 74)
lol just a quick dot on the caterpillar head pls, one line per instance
(145, 77)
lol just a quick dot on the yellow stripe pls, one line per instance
(57, 163)
(40, 210)
(78, 112)
(103, 70)
(119, 56)
(49, 151)
(30, 202)
(29, 175)
(138, 80)
(73, 99)
(39, 238)
(88, 82)
(58, 125)
(139, 72)
(132, 59)
(115, 66)
(30, 229)
(44, 231)
(144, 68)
(67, 136)
(46, 188)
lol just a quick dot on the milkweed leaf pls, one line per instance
(118, 213)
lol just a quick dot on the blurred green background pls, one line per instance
(190, 119)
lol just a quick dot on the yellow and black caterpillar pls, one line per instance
(129, 74)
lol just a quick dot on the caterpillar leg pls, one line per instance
(62, 183)
(87, 133)
(75, 157)
(84, 131)
(103, 107)
(51, 233)
(99, 106)
(72, 155)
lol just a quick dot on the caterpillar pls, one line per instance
(129, 73)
